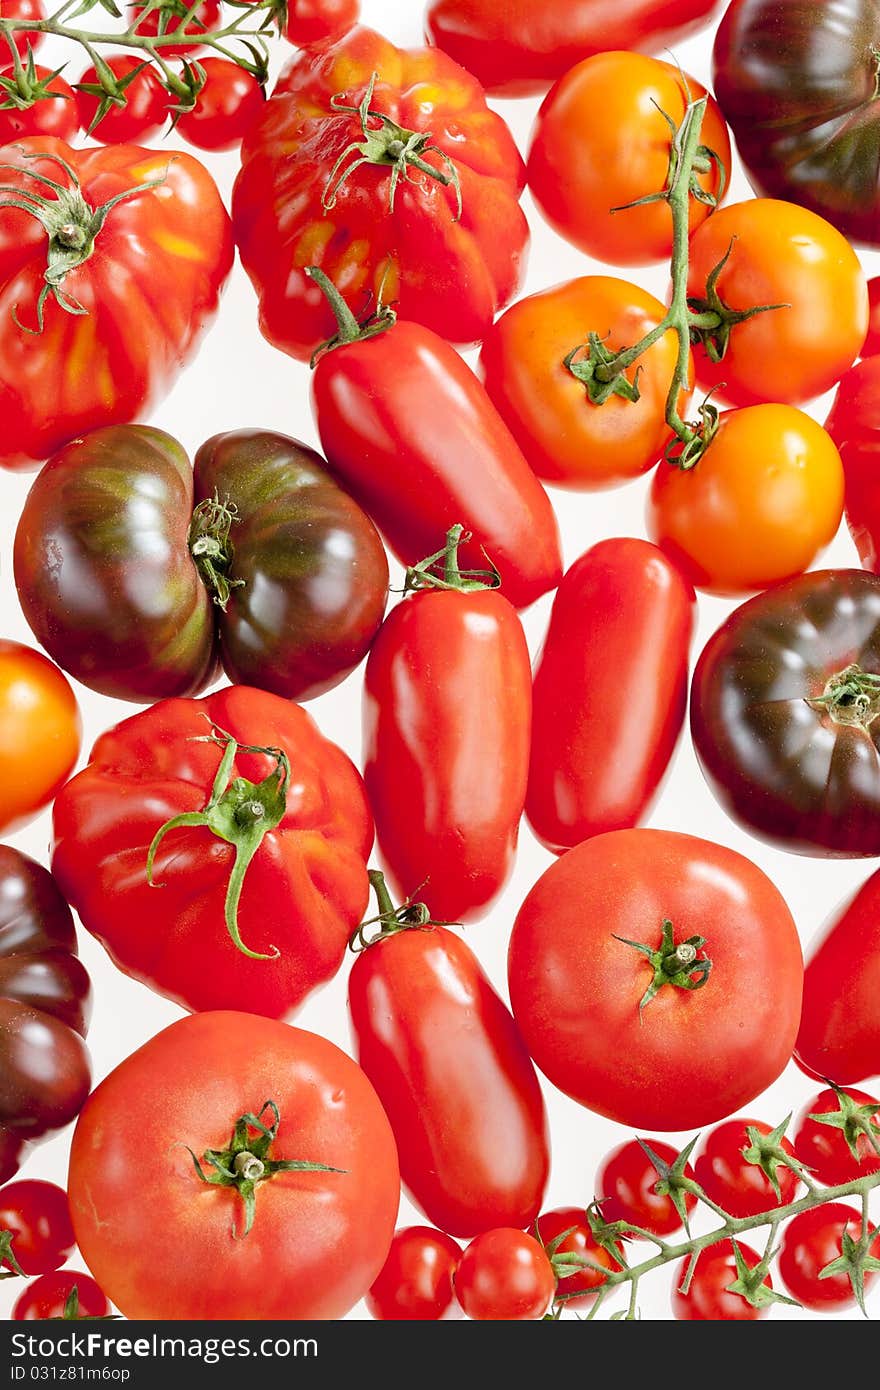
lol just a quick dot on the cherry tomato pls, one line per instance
(50, 1297)
(415, 1283)
(785, 255)
(227, 106)
(626, 1188)
(579, 1241)
(811, 1241)
(39, 733)
(206, 17)
(602, 141)
(835, 1147)
(145, 109)
(36, 1216)
(872, 342)
(709, 1298)
(741, 1187)
(319, 21)
(49, 115)
(758, 507)
(28, 10)
(504, 1275)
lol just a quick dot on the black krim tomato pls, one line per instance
(45, 1002)
(784, 714)
(797, 80)
(141, 575)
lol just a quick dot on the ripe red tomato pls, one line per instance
(28, 10)
(602, 141)
(741, 1187)
(66, 1294)
(145, 109)
(226, 108)
(505, 1276)
(416, 1281)
(319, 21)
(709, 1298)
(626, 1188)
(171, 14)
(579, 1289)
(39, 733)
(56, 115)
(837, 1136)
(854, 424)
(35, 1220)
(813, 1240)
(872, 341)
(581, 993)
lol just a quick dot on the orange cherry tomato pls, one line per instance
(602, 141)
(760, 504)
(39, 733)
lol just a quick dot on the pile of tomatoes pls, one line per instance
(408, 561)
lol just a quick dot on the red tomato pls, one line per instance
(709, 1298)
(39, 733)
(837, 1136)
(813, 1240)
(415, 1282)
(226, 108)
(742, 1187)
(208, 16)
(602, 141)
(145, 109)
(56, 114)
(872, 342)
(610, 695)
(626, 1188)
(165, 252)
(582, 994)
(323, 1236)
(579, 1289)
(319, 21)
(35, 1220)
(505, 1276)
(28, 10)
(854, 425)
(67, 1295)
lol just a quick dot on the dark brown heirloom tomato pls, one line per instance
(797, 81)
(784, 714)
(45, 1002)
(141, 576)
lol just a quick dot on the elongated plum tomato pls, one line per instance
(415, 1282)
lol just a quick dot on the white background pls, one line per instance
(238, 381)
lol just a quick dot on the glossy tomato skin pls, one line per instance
(522, 46)
(780, 764)
(810, 1241)
(409, 430)
(415, 1282)
(601, 141)
(609, 694)
(50, 115)
(325, 1235)
(40, 732)
(625, 1188)
(47, 1297)
(45, 1006)
(757, 508)
(689, 1057)
(504, 1275)
(228, 104)
(741, 1188)
(27, 10)
(454, 1077)
(872, 341)
(450, 275)
(319, 21)
(567, 440)
(796, 79)
(824, 1148)
(146, 103)
(304, 892)
(208, 16)
(786, 255)
(36, 1215)
(447, 716)
(77, 374)
(708, 1299)
(854, 424)
(580, 1289)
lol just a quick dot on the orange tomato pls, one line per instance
(764, 499)
(39, 733)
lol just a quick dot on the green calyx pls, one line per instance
(239, 812)
(712, 321)
(751, 1282)
(856, 1122)
(765, 1151)
(7, 1257)
(851, 696)
(348, 328)
(71, 1311)
(672, 1180)
(211, 547)
(680, 965)
(22, 88)
(598, 369)
(441, 570)
(390, 920)
(855, 1261)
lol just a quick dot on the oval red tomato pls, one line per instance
(504, 1276)
(65, 1294)
(35, 1221)
(837, 1135)
(143, 111)
(227, 106)
(813, 1240)
(733, 1180)
(709, 1298)
(626, 1188)
(415, 1283)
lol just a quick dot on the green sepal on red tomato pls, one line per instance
(36, 101)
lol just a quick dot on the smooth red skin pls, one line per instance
(504, 1276)
(739, 1187)
(854, 424)
(145, 110)
(318, 1240)
(415, 1282)
(707, 1300)
(457, 1084)
(521, 46)
(823, 1148)
(625, 1187)
(839, 1035)
(692, 1056)
(872, 341)
(810, 1241)
(85, 371)
(46, 1297)
(37, 1215)
(227, 106)
(319, 21)
(58, 116)
(208, 16)
(306, 888)
(580, 1241)
(447, 713)
(610, 692)
(410, 432)
(24, 9)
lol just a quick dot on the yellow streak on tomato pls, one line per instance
(312, 242)
(177, 245)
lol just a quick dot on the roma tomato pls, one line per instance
(452, 1072)
(778, 254)
(226, 108)
(218, 849)
(854, 425)
(319, 21)
(30, 11)
(609, 694)
(39, 733)
(36, 101)
(34, 1226)
(523, 45)
(532, 364)
(611, 985)
(66, 1295)
(371, 219)
(147, 303)
(811, 1242)
(837, 1136)
(711, 1296)
(626, 1188)
(565, 1231)
(167, 18)
(732, 1169)
(757, 507)
(415, 1282)
(314, 1199)
(505, 1276)
(145, 108)
(447, 721)
(602, 141)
